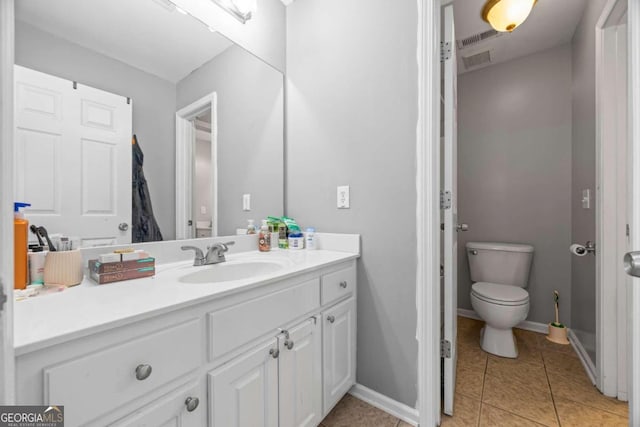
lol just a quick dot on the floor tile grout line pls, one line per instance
(553, 399)
(484, 378)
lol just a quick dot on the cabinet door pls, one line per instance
(185, 407)
(301, 376)
(244, 392)
(339, 351)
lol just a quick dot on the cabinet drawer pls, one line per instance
(338, 285)
(237, 325)
(94, 385)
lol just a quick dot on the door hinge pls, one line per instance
(445, 51)
(445, 200)
(445, 349)
(628, 231)
(3, 297)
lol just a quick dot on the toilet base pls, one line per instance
(500, 342)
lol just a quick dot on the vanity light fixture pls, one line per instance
(242, 10)
(507, 15)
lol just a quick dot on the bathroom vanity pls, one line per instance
(277, 348)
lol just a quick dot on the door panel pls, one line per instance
(450, 187)
(301, 376)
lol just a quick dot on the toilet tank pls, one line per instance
(502, 263)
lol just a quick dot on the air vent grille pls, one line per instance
(477, 38)
(477, 59)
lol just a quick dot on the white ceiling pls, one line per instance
(551, 23)
(147, 34)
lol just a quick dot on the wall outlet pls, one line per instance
(343, 197)
(246, 202)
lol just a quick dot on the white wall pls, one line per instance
(583, 270)
(352, 110)
(202, 172)
(154, 105)
(514, 169)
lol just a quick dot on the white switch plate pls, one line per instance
(203, 210)
(343, 197)
(246, 202)
(586, 199)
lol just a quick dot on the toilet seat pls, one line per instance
(497, 294)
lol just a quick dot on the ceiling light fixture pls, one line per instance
(242, 10)
(507, 15)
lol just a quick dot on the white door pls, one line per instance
(185, 407)
(73, 158)
(339, 351)
(450, 211)
(301, 376)
(244, 392)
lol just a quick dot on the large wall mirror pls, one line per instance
(208, 120)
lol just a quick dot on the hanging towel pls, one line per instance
(145, 228)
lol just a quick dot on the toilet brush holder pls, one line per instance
(557, 333)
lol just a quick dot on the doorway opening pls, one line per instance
(526, 166)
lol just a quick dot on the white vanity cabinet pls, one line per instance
(278, 354)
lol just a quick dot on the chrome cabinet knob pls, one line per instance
(192, 403)
(632, 263)
(274, 352)
(473, 252)
(123, 226)
(331, 319)
(462, 227)
(343, 284)
(143, 372)
(288, 344)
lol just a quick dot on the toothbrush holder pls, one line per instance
(63, 268)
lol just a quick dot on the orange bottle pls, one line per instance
(20, 246)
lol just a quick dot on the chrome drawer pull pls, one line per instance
(274, 352)
(192, 403)
(331, 319)
(143, 372)
(343, 284)
(288, 344)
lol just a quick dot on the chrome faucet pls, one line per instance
(215, 253)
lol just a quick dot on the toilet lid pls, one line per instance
(499, 293)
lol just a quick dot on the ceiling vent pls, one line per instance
(477, 38)
(477, 59)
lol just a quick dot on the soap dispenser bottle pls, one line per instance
(251, 228)
(264, 238)
(20, 246)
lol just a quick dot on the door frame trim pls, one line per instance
(611, 343)
(185, 140)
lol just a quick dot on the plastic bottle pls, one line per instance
(20, 246)
(296, 240)
(36, 266)
(264, 237)
(251, 228)
(310, 238)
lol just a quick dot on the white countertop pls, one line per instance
(88, 308)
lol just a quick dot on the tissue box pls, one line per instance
(110, 272)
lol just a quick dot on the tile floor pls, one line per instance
(545, 386)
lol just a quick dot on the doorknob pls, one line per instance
(632, 263)
(462, 227)
(123, 226)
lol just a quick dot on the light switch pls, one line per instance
(343, 197)
(246, 202)
(586, 199)
(203, 210)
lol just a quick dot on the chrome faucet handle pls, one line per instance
(199, 259)
(225, 246)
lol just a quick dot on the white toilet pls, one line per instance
(500, 272)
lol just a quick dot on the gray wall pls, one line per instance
(351, 119)
(583, 270)
(250, 133)
(202, 179)
(153, 105)
(514, 169)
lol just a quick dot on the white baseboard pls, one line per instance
(386, 404)
(527, 325)
(588, 365)
(542, 328)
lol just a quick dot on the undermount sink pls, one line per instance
(229, 271)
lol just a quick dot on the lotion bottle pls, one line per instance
(264, 237)
(20, 247)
